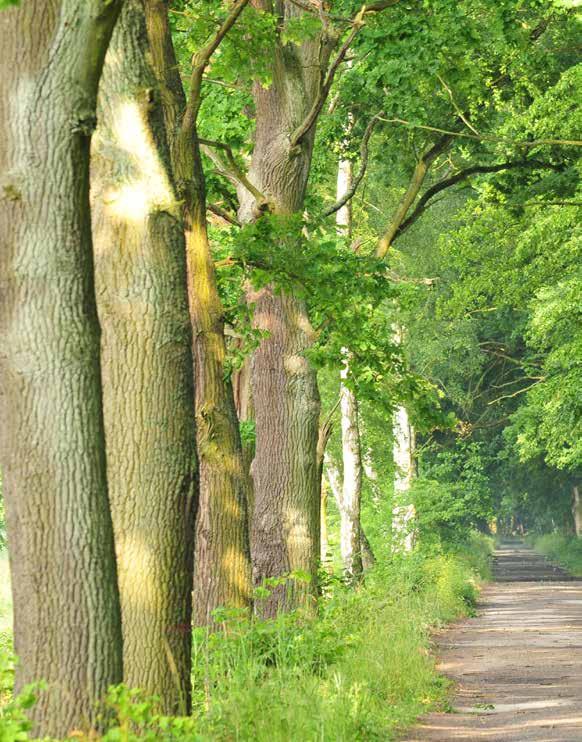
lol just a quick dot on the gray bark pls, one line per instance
(52, 450)
(285, 523)
(147, 368)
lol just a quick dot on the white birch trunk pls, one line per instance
(350, 545)
(577, 510)
(403, 452)
(352, 482)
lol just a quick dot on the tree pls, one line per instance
(66, 607)
(222, 559)
(146, 362)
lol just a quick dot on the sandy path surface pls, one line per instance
(518, 663)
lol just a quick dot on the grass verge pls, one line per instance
(564, 550)
(361, 670)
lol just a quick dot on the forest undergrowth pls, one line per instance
(563, 549)
(360, 670)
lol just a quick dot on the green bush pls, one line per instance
(565, 550)
(360, 670)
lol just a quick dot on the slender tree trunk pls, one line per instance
(147, 368)
(243, 401)
(577, 509)
(324, 540)
(222, 558)
(352, 482)
(351, 454)
(222, 571)
(52, 448)
(368, 558)
(334, 479)
(285, 525)
(403, 510)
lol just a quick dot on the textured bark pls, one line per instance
(285, 525)
(147, 368)
(222, 558)
(403, 511)
(222, 572)
(334, 479)
(52, 449)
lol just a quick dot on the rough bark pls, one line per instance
(403, 510)
(52, 449)
(285, 525)
(222, 572)
(222, 558)
(147, 368)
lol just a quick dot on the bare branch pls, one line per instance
(233, 172)
(350, 193)
(200, 61)
(423, 202)
(313, 114)
(460, 113)
(412, 192)
(223, 214)
(518, 392)
(487, 138)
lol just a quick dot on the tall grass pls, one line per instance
(360, 670)
(564, 550)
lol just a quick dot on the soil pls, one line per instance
(517, 665)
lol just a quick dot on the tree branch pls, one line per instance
(412, 192)
(200, 61)
(223, 214)
(423, 204)
(313, 114)
(234, 172)
(487, 138)
(351, 192)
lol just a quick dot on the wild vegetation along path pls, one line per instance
(518, 663)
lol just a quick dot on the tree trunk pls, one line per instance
(334, 479)
(351, 550)
(285, 525)
(351, 454)
(368, 558)
(324, 540)
(52, 448)
(147, 368)
(222, 570)
(577, 510)
(222, 559)
(403, 509)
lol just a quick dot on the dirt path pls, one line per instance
(518, 664)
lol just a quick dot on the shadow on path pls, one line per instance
(518, 664)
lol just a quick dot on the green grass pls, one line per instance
(5, 594)
(564, 550)
(361, 670)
